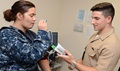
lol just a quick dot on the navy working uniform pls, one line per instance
(20, 51)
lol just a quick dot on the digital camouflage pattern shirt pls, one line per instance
(20, 51)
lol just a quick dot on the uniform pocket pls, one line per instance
(91, 52)
(92, 56)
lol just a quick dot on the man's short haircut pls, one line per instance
(106, 8)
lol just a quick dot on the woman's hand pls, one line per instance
(42, 25)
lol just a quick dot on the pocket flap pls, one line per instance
(91, 51)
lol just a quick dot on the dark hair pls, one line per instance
(106, 8)
(21, 6)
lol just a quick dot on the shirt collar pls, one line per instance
(105, 35)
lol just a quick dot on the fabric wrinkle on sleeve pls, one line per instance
(105, 59)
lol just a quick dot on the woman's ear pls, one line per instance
(19, 16)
